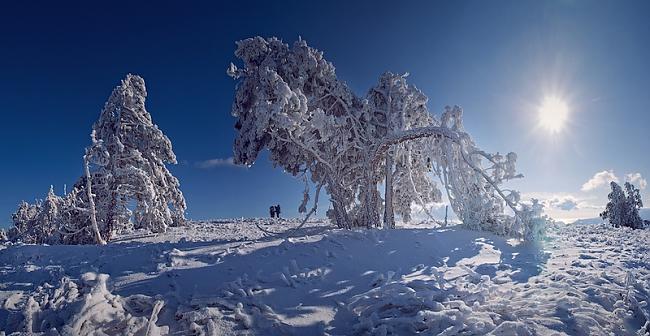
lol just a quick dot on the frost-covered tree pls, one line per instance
(634, 204)
(24, 227)
(22, 219)
(125, 183)
(54, 220)
(622, 209)
(394, 106)
(473, 176)
(36, 223)
(76, 222)
(127, 160)
(290, 102)
(615, 208)
(633, 196)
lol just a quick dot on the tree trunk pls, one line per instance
(91, 202)
(110, 217)
(446, 209)
(439, 132)
(389, 213)
(370, 200)
(340, 214)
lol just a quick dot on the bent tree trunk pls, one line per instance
(338, 205)
(91, 201)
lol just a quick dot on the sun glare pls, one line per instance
(553, 114)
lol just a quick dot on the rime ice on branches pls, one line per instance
(290, 102)
(126, 183)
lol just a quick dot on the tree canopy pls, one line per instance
(290, 101)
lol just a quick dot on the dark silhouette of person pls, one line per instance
(272, 211)
(277, 211)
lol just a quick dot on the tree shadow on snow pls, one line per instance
(521, 260)
(121, 257)
(308, 283)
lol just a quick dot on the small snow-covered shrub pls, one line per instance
(86, 307)
(36, 223)
(531, 224)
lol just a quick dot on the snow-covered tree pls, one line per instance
(124, 167)
(76, 225)
(36, 223)
(622, 209)
(127, 160)
(394, 106)
(615, 208)
(24, 227)
(472, 178)
(633, 196)
(634, 204)
(290, 102)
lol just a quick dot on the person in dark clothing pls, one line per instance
(277, 211)
(272, 211)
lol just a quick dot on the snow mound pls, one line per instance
(86, 308)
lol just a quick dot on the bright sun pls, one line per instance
(553, 114)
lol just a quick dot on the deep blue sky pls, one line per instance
(59, 62)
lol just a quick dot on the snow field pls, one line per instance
(229, 278)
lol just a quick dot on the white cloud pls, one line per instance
(562, 202)
(566, 204)
(599, 179)
(637, 180)
(218, 162)
(568, 207)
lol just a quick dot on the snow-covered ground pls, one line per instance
(227, 277)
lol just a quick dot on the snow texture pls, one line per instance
(227, 277)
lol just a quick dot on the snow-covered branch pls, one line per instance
(290, 102)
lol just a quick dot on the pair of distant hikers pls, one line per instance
(274, 211)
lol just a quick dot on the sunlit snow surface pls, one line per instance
(227, 277)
